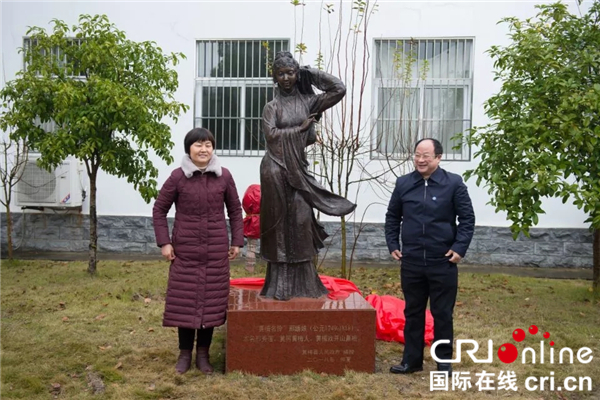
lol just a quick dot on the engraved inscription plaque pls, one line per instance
(266, 336)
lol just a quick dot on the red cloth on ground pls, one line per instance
(391, 321)
(251, 205)
(338, 288)
(390, 310)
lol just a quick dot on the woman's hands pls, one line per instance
(168, 252)
(233, 252)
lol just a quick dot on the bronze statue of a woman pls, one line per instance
(290, 235)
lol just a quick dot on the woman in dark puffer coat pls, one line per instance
(199, 248)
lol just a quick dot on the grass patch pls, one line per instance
(60, 326)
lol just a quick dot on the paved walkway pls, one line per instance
(553, 273)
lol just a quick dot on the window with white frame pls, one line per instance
(233, 84)
(69, 66)
(422, 88)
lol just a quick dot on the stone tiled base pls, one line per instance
(267, 337)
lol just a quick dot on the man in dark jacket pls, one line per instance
(426, 204)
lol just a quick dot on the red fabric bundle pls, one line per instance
(251, 205)
(390, 319)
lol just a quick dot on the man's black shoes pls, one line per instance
(404, 369)
(407, 369)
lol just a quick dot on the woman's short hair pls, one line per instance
(284, 59)
(197, 135)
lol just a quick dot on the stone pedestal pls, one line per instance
(266, 336)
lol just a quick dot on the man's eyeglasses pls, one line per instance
(425, 157)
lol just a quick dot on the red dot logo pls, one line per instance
(533, 329)
(552, 343)
(546, 335)
(507, 353)
(519, 335)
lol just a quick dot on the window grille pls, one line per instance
(233, 84)
(422, 88)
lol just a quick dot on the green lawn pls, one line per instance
(66, 335)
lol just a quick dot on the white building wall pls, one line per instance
(176, 26)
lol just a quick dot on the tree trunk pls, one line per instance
(93, 222)
(344, 234)
(596, 261)
(9, 228)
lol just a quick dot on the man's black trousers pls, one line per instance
(419, 283)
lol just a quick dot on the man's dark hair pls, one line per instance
(437, 146)
(197, 135)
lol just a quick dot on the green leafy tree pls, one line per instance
(13, 158)
(108, 96)
(544, 139)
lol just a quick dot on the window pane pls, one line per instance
(237, 58)
(396, 137)
(398, 114)
(220, 115)
(220, 101)
(460, 59)
(398, 59)
(442, 69)
(254, 139)
(383, 61)
(256, 99)
(444, 113)
(452, 59)
(446, 58)
(467, 58)
(444, 102)
(436, 61)
(235, 85)
(60, 56)
(48, 126)
(226, 132)
(202, 50)
(398, 103)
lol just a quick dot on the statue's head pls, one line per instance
(285, 70)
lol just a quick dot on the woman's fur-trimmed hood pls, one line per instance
(188, 167)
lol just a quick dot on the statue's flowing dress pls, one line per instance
(290, 234)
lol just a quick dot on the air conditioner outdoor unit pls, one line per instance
(60, 188)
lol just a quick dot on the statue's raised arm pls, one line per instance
(290, 234)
